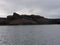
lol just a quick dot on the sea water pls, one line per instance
(30, 35)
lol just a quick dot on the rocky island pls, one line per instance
(17, 19)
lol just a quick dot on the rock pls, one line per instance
(17, 19)
(22, 22)
(15, 15)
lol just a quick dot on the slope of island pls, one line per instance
(17, 19)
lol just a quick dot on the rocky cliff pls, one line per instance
(17, 19)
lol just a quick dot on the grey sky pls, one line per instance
(47, 8)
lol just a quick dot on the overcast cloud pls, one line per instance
(47, 8)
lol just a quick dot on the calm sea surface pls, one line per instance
(30, 35)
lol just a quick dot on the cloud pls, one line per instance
(47, 8)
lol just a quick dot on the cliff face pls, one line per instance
(17, 19)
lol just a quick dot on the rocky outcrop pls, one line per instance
(17, 19)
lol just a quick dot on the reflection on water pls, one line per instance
(30, 35)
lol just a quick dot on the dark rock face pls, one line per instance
(17, 19)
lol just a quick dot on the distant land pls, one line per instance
(17, 19)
